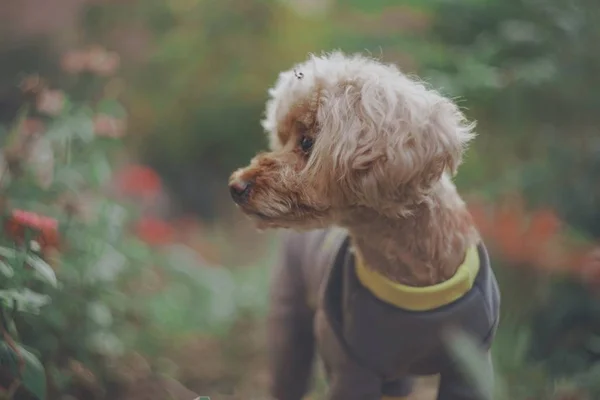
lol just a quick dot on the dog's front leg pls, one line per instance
(291, 342)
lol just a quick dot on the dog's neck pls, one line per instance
(421, 249)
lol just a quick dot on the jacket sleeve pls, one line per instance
(348, 380)
(354, 383)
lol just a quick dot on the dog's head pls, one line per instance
(347, 133)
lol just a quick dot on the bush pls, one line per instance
(92, 275)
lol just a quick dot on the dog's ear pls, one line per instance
(384, 143)
(345, 142)
(433, 145)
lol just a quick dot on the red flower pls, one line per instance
(154, 231)
(138, 181)
(45, 229)
(509, 230)
(544, 225)
(541, 235)
(539, 243)
(481, 217)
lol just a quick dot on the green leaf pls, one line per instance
(472, 360)
(26, 300)
(100, 314)
(70, 177)
(7, 253)
(6, 270)
(106, 343)
(112, 108)
(108, 266)
(14, 131)
(42, 270)
(31, 375)
(100, 168)
(79, 126)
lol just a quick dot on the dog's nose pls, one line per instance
(240, 189)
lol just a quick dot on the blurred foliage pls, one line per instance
(526, 69)
(194, 82)
(124, 286)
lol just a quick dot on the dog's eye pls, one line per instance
(306, 144)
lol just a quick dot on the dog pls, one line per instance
(380, 255)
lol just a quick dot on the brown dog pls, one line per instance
(357, 145)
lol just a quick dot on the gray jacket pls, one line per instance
(370, 348)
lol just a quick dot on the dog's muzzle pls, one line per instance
(240, 190)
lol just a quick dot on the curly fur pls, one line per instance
(385, 149)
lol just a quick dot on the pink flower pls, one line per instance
(32, 126)
(51, 102)
(74, 62)
(590, 268)
(96, 60)
(108, 126)
(102, 62)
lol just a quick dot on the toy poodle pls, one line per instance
(381, 257)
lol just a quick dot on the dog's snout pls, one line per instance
(240, 189)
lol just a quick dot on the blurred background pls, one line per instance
(128, 274)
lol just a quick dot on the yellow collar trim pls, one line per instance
(421, 298)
